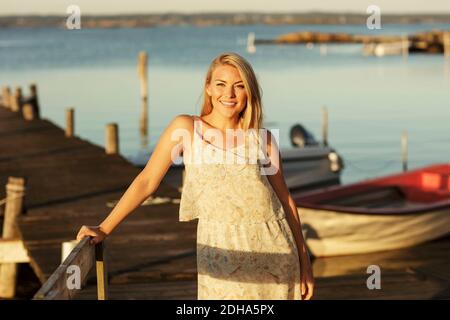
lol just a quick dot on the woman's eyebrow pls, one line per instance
(226, 82)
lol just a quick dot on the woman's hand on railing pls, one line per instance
(91, 231)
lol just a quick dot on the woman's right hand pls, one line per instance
(91, 231)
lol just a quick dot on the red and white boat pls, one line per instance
(391, 212)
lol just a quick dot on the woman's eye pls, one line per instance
(220, 84)
(241, 86)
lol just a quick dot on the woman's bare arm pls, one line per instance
(278, 184)
(169, 146)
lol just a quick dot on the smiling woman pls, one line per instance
(249, 239)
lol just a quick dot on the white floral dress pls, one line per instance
(245, 247)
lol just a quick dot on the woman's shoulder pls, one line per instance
(183, 121)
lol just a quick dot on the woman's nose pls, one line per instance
(230, 91)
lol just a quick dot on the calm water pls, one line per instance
(370, 100)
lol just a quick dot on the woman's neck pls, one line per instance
(222, 123)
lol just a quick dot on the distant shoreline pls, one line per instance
(215, 19)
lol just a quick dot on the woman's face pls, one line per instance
(227, 91)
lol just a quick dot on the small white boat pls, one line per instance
(386, 49)
(387, 213)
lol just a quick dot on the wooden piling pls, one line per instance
(325, 126)
(66, 248)
(70, 119)
(35, 100)
(143, 78)
(112, 138)
(404, 143)
(15, 192)
(16, 100)
(102, 271)
(29, 112)
(446, 44)
(6, 97)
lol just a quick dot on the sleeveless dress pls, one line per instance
(245, 246)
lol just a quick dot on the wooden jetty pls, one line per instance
(434, 41)
(70, 182)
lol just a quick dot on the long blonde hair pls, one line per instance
(252, 116)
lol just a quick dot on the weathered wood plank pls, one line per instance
(56, 287)
(13, 251)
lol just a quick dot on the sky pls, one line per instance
(58, 7)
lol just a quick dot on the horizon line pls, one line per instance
(222, 12)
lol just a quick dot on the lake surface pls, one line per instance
(370, 100)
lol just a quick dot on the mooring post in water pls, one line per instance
(325, 125)
(446, 44)
(70, 119)
(30, 106)
(35, 100)
(16, 100)
(6, 97)
(143, 78)
(15, 192)
(404, 142)
(28, 112)
(112, 138)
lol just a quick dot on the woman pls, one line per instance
(249, 239)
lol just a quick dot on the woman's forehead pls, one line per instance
(225, 72)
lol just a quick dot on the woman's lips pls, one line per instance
(228, 104)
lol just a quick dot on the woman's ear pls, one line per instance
(208, 90)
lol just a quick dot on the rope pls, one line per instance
(385, 165)
(149, 201)
(4, 200)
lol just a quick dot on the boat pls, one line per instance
(387, 213)
(386, 49)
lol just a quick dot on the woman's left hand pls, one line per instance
(306, 276)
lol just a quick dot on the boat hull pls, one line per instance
(330, 233)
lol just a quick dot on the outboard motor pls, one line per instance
(300, 137)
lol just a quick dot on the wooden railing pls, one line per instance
(71, 275)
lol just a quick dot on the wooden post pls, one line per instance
(66, 248)
(325, 126)
(6, 97)
(15, 192)
(143, 78)
(404, 142)
(446, 44)
(112, 138)
(251, 43)
(102, 271)
(35, 100)
(28, 112)
(70, 119)
(16, 100)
